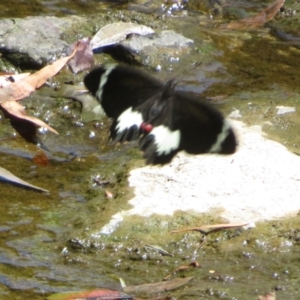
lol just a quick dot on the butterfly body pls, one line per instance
(164, 120)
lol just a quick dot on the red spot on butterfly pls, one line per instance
(146, 128)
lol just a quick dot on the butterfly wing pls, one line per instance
(177, 121)
(203, 128)
(118, 88)
(121, 90)
(190, 124)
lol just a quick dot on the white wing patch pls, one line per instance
(128, 119)
(217, 146)
(165, 139)
(103, 80)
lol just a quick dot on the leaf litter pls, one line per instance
(15, 87)
(83, 58)
(148, 288)
(10, 94)
(257, 20)
(213, 228)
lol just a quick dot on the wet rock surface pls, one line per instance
(34, 41)
(156, 49)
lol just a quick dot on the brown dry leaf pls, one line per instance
(7, 79)
(24, 87)
(157, 287)
(103, 294)
(192, 265)
(26, 129)
(37, 79)
(269, 296)
(83, 59)
(18, 111)
(214, 228)
(257, 20)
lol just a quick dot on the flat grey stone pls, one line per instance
(167, 38)
(34, 40)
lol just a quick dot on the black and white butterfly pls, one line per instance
(164, 120)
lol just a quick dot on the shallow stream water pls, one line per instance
(48, 242)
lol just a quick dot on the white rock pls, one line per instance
(281, 110)
(261, 181)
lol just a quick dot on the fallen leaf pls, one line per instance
(105, 294)
(8, 176)
(117, 32)
(192, 265)
(90, 295)
(272, 9)
(157, 287)
(258, 20)
(214, 228)
(26, 129)
(83, 59)
(8, 79)
(24, 87)
(17, 110)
